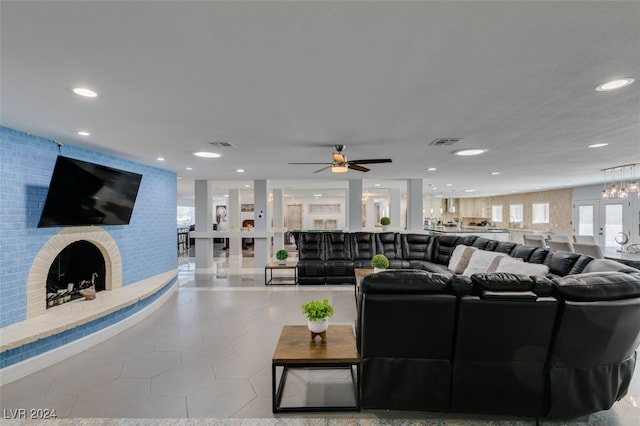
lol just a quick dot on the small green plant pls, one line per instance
(385, 221)
(282, 254)
(380, 261)
(317, 310)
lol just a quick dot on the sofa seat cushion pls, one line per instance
(517, 266)
(597, 286)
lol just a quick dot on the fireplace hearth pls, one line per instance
(78, 266)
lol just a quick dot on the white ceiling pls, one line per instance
(285, 81)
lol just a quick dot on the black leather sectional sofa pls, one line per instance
(330, 257)
(498, 343)
(561, 345)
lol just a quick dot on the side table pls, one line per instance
(275, 265)
(360, 273)
(294, 350)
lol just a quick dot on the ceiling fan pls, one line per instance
(340, 164)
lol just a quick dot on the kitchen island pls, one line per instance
(499, 234)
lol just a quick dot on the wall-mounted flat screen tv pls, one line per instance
(82, 193)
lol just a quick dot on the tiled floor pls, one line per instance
(206, 354)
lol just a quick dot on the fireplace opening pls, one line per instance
(79, 265)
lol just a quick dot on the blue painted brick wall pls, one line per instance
(147, 244)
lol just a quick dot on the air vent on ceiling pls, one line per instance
(445, 141)
(222, 144)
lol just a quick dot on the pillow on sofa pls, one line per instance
(517, 266)
(460, 258)
(483, 262)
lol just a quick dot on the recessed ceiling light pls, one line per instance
(247, 186)
(206, 154)
(597, 145)
(83, 133)
(317, 195)
(470, 152)
(495, 173)
(438, 195)
(470, 190)
(188, 168)
(83, 91)
(240, 170)
(377, 184)
(432, 169)
(615, 84)
(226, 195)
(449, 184)
(160, 158)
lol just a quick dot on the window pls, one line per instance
(540, 213)
(496, 213)
(186, 216)
(515, 213)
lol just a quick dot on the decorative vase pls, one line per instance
(385, 228)
(318, 328)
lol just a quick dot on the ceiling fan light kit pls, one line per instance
(340, 164)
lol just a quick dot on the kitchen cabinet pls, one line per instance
(475, 208)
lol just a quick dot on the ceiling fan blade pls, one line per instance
(371, 161)
(324, 168)
(310, 163)
(356, 167)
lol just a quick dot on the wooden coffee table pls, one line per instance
(275, 265)
(295, 350)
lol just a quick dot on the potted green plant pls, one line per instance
(385, 222)
(379, 262)
(282, 255)
(317, 313)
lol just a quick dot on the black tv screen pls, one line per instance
(82, 193)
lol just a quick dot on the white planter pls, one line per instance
(318, 326)
(282, 261)
(385, 228)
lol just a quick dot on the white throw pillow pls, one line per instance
(460, 258)
(517, 266)
(483, 262)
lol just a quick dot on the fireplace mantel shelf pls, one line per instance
(77, 312)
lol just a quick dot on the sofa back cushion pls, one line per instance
(337, 246)
(311, 246)
(388, 243)
(443, 248)
(483, 243)
(417, 246)
(363, 245)
(563, 263)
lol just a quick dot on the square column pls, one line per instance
(204, 223)
(354, 206)
(278, 219)
(415, 220)
(394, 209)
(233, 209)
(262, 246)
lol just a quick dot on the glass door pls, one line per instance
(613, 222)
(586, 218)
